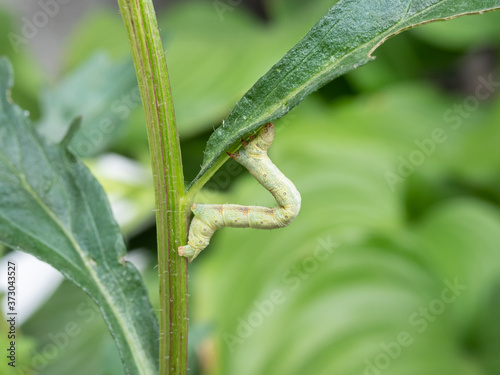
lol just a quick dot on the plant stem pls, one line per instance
(171, 221)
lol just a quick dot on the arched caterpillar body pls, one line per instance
(210, 217)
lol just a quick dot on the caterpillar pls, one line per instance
(210, 217)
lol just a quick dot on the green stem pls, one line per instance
(171, 221)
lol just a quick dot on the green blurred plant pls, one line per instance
(341, 41)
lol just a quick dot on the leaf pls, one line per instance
(29, 72)
(72, 321)
(342, 40)
(488, 344)
(52, 207)
(212, 63)
(104, 92)
(460, 34)
(461, 237)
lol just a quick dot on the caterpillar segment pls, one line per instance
(210, 217)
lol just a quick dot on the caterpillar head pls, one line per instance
(256, 145)
(266, 134)
(260, 143)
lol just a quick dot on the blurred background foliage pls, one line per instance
(393, 265)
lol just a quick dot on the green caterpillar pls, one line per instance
(210, 217)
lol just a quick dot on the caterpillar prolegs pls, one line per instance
(210, 217)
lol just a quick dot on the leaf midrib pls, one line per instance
(90, 269)
(132, 339)
(337, 62)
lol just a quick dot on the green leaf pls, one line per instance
(488, 332)
(29, 74)
(105, 92)
(52, 207)
(72, 321)
(460, 34)
(342, 40)
(461, 238)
